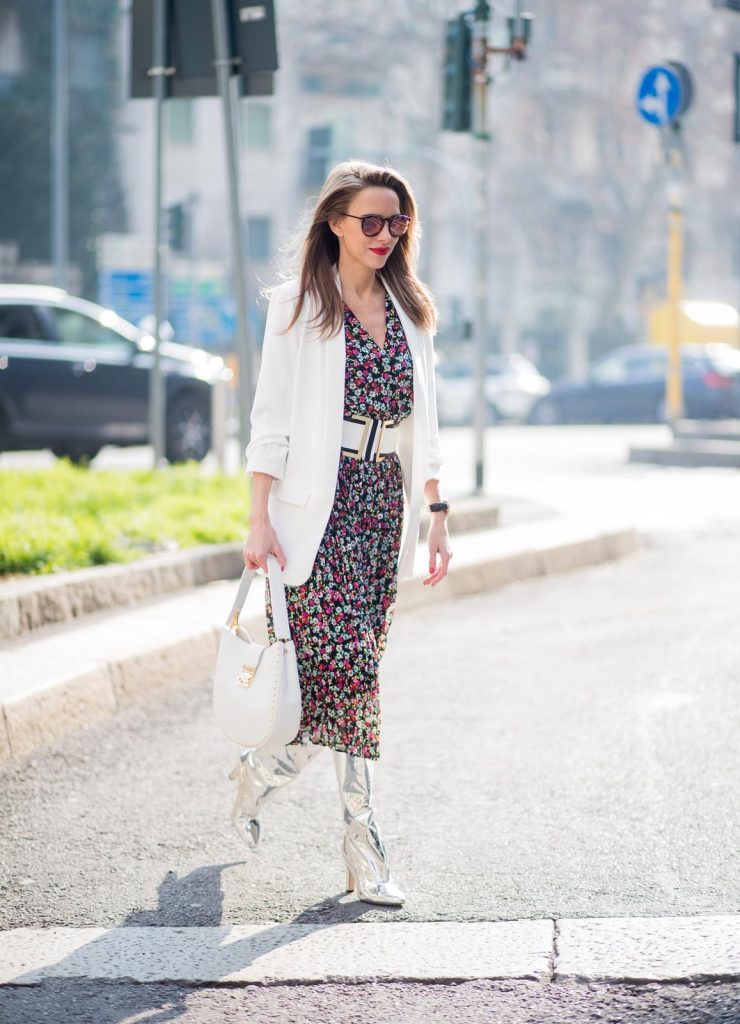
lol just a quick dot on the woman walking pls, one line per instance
(344, 428)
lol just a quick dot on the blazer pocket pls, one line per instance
(292, 491)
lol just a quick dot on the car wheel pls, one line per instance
(78, 454)
(546, 413)
(188, 429)
(4, 433)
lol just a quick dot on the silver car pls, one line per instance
(512, 385)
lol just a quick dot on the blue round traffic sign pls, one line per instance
(664, 93)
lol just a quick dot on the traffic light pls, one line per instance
(458, 83)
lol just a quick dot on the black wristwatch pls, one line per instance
(439, 506)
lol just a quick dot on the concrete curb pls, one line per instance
(43, 713)
(621, 950)
(37, 719)
(38, 601)
(691, 453)
(490, 573)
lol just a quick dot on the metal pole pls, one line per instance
(156, 389)
(245, 384)
(480, 145)
(674, 381)
(60, 148)
(674, 279)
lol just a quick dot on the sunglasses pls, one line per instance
(372, 223)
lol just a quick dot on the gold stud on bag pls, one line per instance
(256, 690)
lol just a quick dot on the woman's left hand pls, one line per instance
(439, 545)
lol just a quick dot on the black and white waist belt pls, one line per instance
(364, 437)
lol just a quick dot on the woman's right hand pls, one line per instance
(262, 541)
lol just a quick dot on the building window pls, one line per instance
(87, 61)
(313, 83)
(180, 122)
(256, 121)
(259, 232)
(318, 153)
(11, 54)
(358, 87)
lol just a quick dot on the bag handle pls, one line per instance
(277, 595)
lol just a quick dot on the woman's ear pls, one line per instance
(334, 223)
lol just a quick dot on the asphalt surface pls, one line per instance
(559, 748)
(517, 1002)
(565, 747)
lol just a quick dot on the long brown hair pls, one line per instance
(318, 250)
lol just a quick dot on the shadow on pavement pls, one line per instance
(112, 957)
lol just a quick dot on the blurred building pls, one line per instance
(577, 202)
(354, 81)
(577, 221)
(26, 121)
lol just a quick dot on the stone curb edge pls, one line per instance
(42, 717)
(36, 601)
(633, 950)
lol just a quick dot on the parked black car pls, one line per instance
(75, 376)
(627, 385)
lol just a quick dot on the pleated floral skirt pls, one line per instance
(340, 617)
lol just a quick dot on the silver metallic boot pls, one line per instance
(365, 857)
(259, 774)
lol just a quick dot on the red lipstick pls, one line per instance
(382, 251)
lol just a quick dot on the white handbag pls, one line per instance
(256, 690)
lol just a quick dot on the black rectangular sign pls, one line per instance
(190, 48)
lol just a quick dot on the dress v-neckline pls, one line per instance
(384, 346)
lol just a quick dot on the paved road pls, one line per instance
(476, 1002)
(561, 748)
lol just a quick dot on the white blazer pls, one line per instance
(296, 431)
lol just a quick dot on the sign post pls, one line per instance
(177, 49)
(664, 94)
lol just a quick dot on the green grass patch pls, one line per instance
(70, 517)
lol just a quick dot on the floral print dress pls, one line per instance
(340, 617)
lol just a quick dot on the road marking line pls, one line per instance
(617, 949)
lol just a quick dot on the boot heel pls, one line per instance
(350, 880)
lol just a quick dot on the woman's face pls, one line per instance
(370, 252)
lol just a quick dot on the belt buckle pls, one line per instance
(378, 457)
(358, 454)
(363, 438)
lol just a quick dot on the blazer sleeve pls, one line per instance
(435, 452)
(267, 451)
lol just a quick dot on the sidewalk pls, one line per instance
(63, 676)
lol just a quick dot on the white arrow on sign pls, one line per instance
(656, 103)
